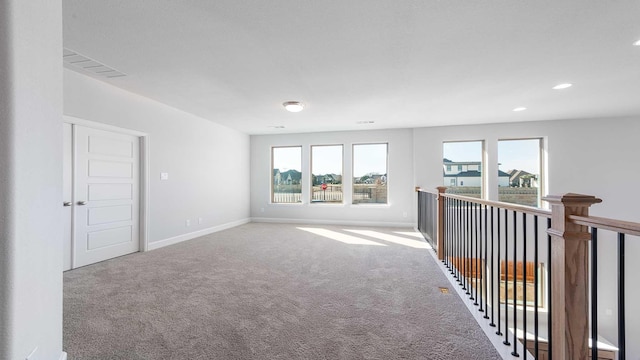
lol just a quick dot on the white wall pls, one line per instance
(400, 183)
(208, 164)
(31, 179)
(582, 156)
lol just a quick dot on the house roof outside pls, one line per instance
(295, 174)
(515, 175)
(474, 173)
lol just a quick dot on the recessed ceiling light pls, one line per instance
(365, 122)
(293, 106)
(520, 109)
(562, 86)
(277, 126)
(637, 43)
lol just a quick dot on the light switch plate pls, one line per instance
(164, 176)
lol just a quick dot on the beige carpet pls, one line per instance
(271, 291)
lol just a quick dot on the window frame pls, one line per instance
(542, 178)
(271, 171)
(342, 166)
(483, 158)
(386, 174)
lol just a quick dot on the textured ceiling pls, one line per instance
(398, 63)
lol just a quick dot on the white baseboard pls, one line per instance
(332, 222)
(63, 356)
(192, 235)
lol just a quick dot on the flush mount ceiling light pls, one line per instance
(293, 106)
(562, 86)
(637, 43)
(520, 109)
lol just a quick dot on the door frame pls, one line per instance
(144, 172)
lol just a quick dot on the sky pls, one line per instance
(326, 159)
(512, 154)
(287, 158)
(368, 158)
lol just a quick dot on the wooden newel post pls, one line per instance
(569, 277)
(440, 236)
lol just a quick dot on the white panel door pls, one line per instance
(106, 195)
(67, 192)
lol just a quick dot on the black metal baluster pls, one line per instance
(480, 258)
(515, 283)
(465, 250)
(524, 281)
(469, 249)
(483, 271)
(470, 252)
(499, 277)
(459, 241)
(452, 239)
(506, 278)
(474, 264)
(447, 234)
(454, 236)
(549, 313)
(536, 283)
(471, 242)
(493, 273)
(622, 332)
(594, 293)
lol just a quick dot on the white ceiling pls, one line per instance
(400, 63)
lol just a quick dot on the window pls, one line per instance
(370, 173)
(508, 281)
(466, 158)
(326, 174)
(519, 180)
(286, 166)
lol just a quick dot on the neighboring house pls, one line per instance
(327, 179)
(521, 178)
(291, 177)
(467, 173)
(456, 167)
(371, 178)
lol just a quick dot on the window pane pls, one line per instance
(462, 168)
(326, 173)
(519, 174)
(370, 173)
(287, 176)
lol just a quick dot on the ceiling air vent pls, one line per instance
(80, 62)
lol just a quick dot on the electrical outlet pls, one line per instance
(404, 214)
(164, 176)
(261, 209)
(199, 220)
(187, 223)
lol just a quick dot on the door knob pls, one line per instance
(66, 203)
(82, 203)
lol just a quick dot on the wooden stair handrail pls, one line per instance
(619, 226)
(503, 205)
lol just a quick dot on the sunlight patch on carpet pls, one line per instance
(393, 239)
(343, 238)
(414, 234)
